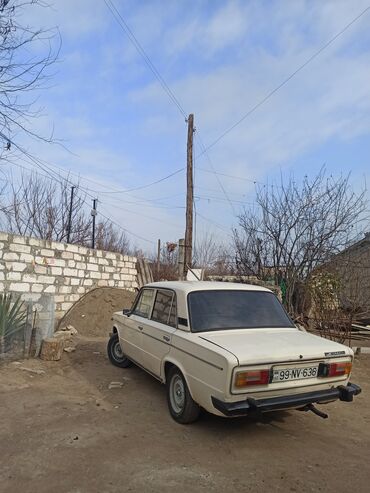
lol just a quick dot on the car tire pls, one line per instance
(115, 354)
(181, 405)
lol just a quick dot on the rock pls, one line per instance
(32, 370)
(115, 385)
(69, 349)
(70, 329)
(51, 349)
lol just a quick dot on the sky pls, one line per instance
(120, 130)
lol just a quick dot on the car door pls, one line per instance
(131, 334)
(157, 332)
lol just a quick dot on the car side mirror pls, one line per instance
(126, 311)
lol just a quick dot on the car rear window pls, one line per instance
(229, 309)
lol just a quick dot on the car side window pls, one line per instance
(144, 303)
(164, 310)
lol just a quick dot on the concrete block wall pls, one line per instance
(34, 267)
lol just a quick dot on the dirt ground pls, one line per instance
(92, 314)
(64, 431)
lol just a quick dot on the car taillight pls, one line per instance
(339, 369)
(252, 377)
(335, 369)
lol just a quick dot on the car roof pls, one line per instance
(186, 287)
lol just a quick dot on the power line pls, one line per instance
(285, 81)
(131, 36)
(255, 182)
(217, 178)
(148, 184)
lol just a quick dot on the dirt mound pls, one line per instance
(92, 314)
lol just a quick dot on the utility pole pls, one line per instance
(69, 225)
(189, 197)
(181, 259)
(158, 257)
(93, 213)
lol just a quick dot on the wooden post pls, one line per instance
(158, 258)
(93, 213)
(189, 197)
(181, 259)
(69, 226)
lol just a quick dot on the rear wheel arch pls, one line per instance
(168, 364)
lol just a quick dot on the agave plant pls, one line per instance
(12, 315)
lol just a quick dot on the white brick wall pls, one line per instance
(32, 267)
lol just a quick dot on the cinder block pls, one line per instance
(31, 278)
(77, 257)
(109, 269)
(4, 236)
(26, 257)
(102, 282)
(47, 253)
(111, 255)
(80, 265)
(94, 275)
(102, 261)
(92, 267)
(57, 246)
(11, 256)
(65, 289)
(34, 242)
(37, 288)
(67, 255)
(15, 266)
(72, 248)
(58, 262)
(40, 269)
(19, 239)
(87, 282)
(49, 289)
(66, 306)
(83, 250)
(56, 271)
(46, 279)
(75, 281)
(2, 276)
(71, 263)
(21, 287)
(13, 276)
(70, 272)
(15, 247)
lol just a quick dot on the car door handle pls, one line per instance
(140, 327)
(166, 338)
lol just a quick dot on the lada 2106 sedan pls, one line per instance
(228, 348)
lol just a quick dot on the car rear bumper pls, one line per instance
(296, 401)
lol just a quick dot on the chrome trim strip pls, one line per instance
(183, 351)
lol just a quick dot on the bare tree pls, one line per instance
(108, 238)
(40, 207)
(294, 228)
(26, 54)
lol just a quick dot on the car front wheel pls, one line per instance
(180, 403)
(115, 354)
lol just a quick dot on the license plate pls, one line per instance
(284, 374)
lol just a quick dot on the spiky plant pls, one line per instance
(12, 314)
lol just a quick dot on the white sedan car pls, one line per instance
(228, 348)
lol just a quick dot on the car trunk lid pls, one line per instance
(258, 346)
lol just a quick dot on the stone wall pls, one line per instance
(35, 268)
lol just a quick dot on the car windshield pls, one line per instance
(229, 309)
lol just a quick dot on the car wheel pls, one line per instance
(180, 403)
(115, 354)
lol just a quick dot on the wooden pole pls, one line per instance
(158, 258)
(189, 197)
(93, 213)
(181, 259)
(69, 226)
